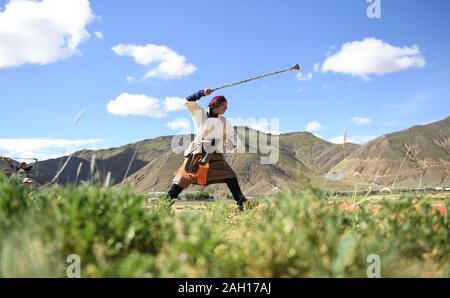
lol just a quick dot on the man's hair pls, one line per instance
(216, 101)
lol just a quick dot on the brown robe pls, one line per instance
(219, 170)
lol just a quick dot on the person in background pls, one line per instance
(22, 168)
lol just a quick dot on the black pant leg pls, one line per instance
(235, 189)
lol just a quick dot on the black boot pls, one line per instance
(174, 191)
(242, 200)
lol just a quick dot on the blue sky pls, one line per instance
(369, 76)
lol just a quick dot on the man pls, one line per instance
(22, 168)
(204, 161)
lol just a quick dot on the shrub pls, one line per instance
(297, 234)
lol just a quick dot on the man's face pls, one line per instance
(220, 109)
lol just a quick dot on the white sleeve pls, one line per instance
(197, 112)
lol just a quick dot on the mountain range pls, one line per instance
(415, 157)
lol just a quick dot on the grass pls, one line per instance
(297, 234)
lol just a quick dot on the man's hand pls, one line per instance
(207, 91)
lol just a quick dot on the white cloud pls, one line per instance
(135, 104)
(131, 80)
(353, 139)
(331, 50)
(264, 127)
(174, 104)
(361, 120)
(43, 148)
(42, 32)
(142, 105)
(313, 126)
(361, 139)
(337, 140)
(301, 77)
(372, 56)
(99, 35)
(181, 124)
(170, 65)
(316, 67)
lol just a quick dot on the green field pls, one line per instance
(297, 234)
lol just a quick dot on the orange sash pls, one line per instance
(202, 173)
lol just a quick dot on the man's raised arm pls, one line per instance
(197, 112)
(30, 165)
(199, 94)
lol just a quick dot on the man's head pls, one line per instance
(22, 165)
(218, 105)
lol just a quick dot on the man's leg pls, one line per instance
(174, 191)
(238, 196)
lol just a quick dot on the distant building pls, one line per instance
(385, 189)
(155, 194)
